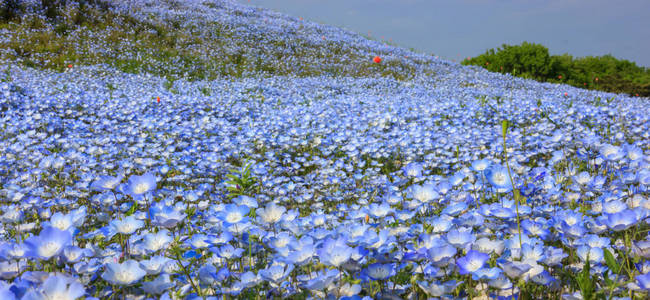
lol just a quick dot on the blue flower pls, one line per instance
(234, 214)
(140, 185)
(481, 165)
(611, 152)
(158, 285)
(334, 252)
(378, 271)
(127, 225)
(621, 220)
(471, 262)
(319, 281)
(227, 251)
(155, 264)
(514, 269)
(441, 256)
(460, 238)
(424, 193)
(595, 255)
(302, 251)
(73, 254)
(275, 274)
(643, 280)
(106, 183)
(413, 170)
(48, 244)
(5, 292)
(486, 274)
(165, 216)
(125, 273)
(57, 287)
(437, 289)
(498, 176)
(153, 242)
(271, 214)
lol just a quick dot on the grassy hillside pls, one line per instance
(208, 40)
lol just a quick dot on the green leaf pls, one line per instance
(585, 283)
(133, 208)
(611, 261)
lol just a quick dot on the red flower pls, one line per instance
(158, 99)
(377, 59)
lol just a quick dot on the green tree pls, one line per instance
(533, 61)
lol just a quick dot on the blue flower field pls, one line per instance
(270, 157)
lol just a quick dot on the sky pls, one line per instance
(455, 29)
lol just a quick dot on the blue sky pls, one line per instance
(454, 29)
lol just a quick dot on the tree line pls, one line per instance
(533, 61)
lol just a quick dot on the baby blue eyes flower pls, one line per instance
(275, 274)
(125, 273)
(106, 183)
(643, 281)
(156, 241)
(165, 216)
(6, 293)
(498, 176)
(424, 193)
(621, 220)
(480, 165)
(334, 252)
(514, 269)
(57, 287)
(48, 244)
(127, 225)
(378, 271)
(271, 214)
(486, 274)
(227, 251)
(139, 185)
(594, 254)
(413, 170)
(471, 262)
(318, 281)
(441, 256)
(437, 289)
(460, 238)
(233, 214)
(611, 152)
(159, 285)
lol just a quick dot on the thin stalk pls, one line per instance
(504, 130)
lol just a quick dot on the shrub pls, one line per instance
(533, 61)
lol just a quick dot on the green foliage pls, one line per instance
(240, 182)
(585, 282)
(533, 61)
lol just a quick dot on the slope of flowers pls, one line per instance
(118, 185)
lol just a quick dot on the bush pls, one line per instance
(533, 61)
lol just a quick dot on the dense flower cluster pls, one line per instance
(319, 187)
